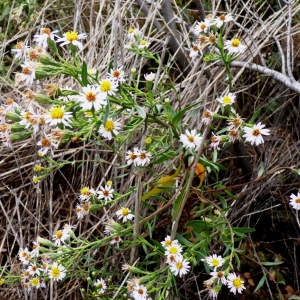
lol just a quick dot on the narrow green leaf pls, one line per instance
(84, 74)
(178, 202)
(179, 115)
(261, 282)
(255, 116)
(269, 263)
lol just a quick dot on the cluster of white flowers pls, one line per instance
(136, 40)
(138, 157)
(206, 33)
(135, 289)
(35, 272)
(173, 251)
(218, 277)
(87, 194)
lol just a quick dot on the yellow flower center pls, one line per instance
(34, 282)
(227, 100)
(237, 283)
(46, 31)
(105, 86)
(168, 243)
(173, 250)
(215, 262)
(1, 281)
(57, 112)
(72, 36)
(202, 26)
(109, 125)
(131, 30)
(35, 179)
(45, 143)
(85, 191)
(106, 193)
(297, 200)
(59, 234)
(143, 43)
(100, 285)
(235, 42)
(37, 168)
(90, 96)
(220, 274)
(179, 265)
(86, 207)
(109, 183)
(148, 140)
(195, 48)
(191, 139)
(207, 114)
(55, 272)
(125, 211)
(132, 156)
(256, 132)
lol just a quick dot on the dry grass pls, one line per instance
(28, 210)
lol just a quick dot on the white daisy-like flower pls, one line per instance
(144, 44)
(28, 73)
(60, 236)
(139, 292)
(35, 282)
(83, 209)
(201, 27)
(35, 249)
(100, 285)
(194, 51)
(46, 145)
(168, 242)
(214, 261)
(21, 50)
(191, 139)
(219, 275)
(124, 213)
(115, 240)
(175, 250)
(132, 156)
(106, 193)
(108, 87)
(227, 99)
(143, 158)
(213, 292)
(215, 141)
(235, 283)
(180, 267)
(24, 255)
(235, 123)
(117, 75)
(207, 117)
(57, 115)
(30, 119)
(45, 265)
(91, 98)
(234, 134)
(5, 131)
(254, 134)
(86, 193)
(150, 76)
(234, 46)
(33, 269)
(27, 286)
(72, 37)
(42, 38)
(132, 32)
(57, 272)
(68, 228)
(295, 201)
(219, 21)
(110, 127)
